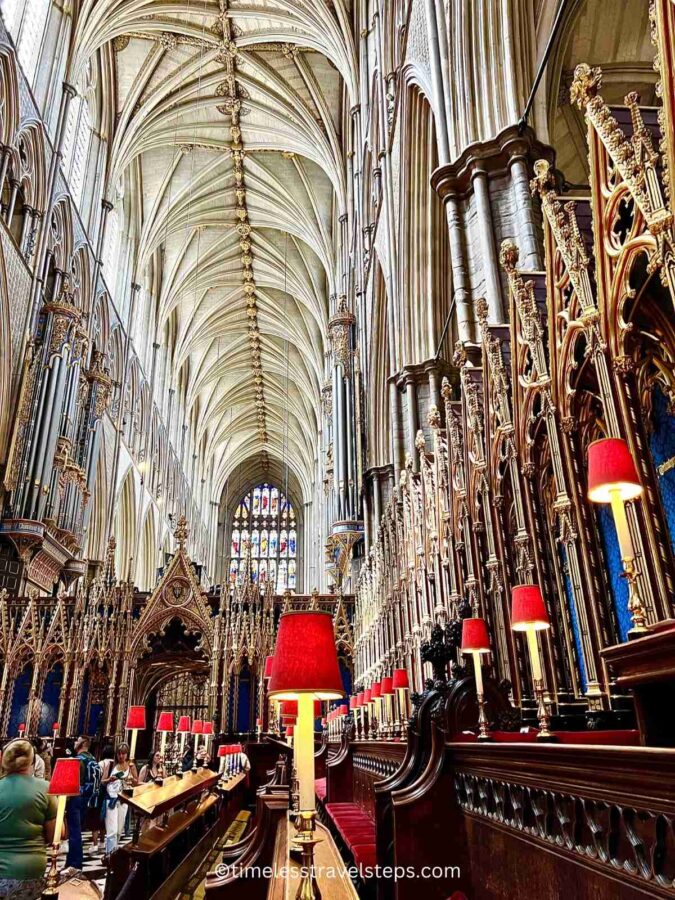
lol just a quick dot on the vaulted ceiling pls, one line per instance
(228, 131)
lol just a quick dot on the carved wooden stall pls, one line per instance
(193, 811)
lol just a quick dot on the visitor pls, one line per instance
(154, 769)
(188, 758)
(76, 807)
(43, 759)
(27, 820)
(122, 775)
(106, 760)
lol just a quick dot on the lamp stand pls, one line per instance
(543, 715)
(374, 725)
(132, 749)
(483, 732)
(52, 887)
(635, 604)
(308, 888)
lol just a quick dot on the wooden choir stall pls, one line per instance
(176, 823)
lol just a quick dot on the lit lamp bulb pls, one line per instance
(613, 479)
(475, 641)
(528, 614)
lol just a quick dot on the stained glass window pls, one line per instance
(265, 528)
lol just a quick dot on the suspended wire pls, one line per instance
(287, 353)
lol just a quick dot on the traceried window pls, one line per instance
(26, 23)
(77, 138)
(265, 530)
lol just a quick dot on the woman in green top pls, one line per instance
(27, 814)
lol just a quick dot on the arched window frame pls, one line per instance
(254, 520)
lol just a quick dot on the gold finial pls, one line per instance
(181, 533)
(543, 177)
(508, 256)
(420, 442)
(585, 85)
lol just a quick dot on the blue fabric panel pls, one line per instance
(662, 445)
(576, 632)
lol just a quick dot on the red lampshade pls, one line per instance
(136, 718)
(22, 727)
(367, 695)
(352, 701)
(197, 727)
(269, 662)
(289, 708)
(223, 750)
(317, 709)
(475, 636)
(387, 685)
(305, 659)
(400, 679)
(183, 725)
(611, 468)
(324, 722)
(238, 748)
(343, 710)
(165, 722)
(527, 608)
(359, 699)
(375, 690)
(56, 727)
(65, 780)
(207, 728)
(258, 722)
(289, 730)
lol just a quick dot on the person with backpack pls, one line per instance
(76, 807)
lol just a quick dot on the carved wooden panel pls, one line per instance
(370, 768)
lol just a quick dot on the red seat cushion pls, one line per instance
(359, 838)
(355, 826)
(365, 857)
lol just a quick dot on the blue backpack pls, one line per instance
(91, 783)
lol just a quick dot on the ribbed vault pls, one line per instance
(229, 117)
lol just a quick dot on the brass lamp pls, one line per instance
(64, 783)
(306, 668)
(475, 641)
(613, 478)
(528, 614)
